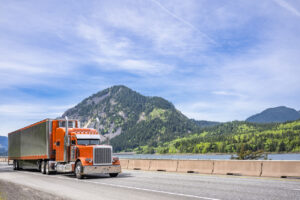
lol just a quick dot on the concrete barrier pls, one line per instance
(199, 166)
(281, 168)
(124, 163)
(163, 165)
(237, 167)
(223, 167)
(139, 164)
(3, 159)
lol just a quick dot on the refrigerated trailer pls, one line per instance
(60, 145)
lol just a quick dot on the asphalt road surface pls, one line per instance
(140, 185)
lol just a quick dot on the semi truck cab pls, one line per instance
(62, 146)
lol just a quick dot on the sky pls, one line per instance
(214, 60)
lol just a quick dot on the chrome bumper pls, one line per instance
(101, 169)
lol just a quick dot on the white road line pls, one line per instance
(150, 190)
(296, 189)
(124, 186)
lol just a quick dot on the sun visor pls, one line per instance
(87, 136)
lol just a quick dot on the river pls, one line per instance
(287, 156)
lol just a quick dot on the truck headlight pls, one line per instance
(115, 159)
(88, 160)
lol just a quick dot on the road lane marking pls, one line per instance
(296, 189)
(150, 190)
(124, 186)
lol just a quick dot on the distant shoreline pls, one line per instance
(182, 154)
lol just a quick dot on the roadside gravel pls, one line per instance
(12, 191)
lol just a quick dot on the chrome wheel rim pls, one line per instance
(47, 168)
(78, 170)
(43, 167)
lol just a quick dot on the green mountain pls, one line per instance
(277, 114)
(232, 136)
(130, 119)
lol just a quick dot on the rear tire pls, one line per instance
(15, 165)
(78, 170)
(47, 168)
(113, 174)
(43, 170)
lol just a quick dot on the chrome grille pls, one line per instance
(102, 156)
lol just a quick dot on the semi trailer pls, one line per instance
(60, 145)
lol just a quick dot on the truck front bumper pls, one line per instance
(101, 169)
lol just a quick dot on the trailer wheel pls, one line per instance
(47, 168)
(113, 174)
(78, 170)
(15, 165)
(38, 165)
(43, 167)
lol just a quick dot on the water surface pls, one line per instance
(287, 156)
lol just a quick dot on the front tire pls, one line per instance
(78, 170)
(43, 170)
(113, 174)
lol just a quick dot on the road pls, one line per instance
(142, 185)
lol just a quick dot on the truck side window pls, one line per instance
(57, 143)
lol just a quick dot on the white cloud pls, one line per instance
(161, 32)
(141, 67)
(116, 53)
(183, 21)
(226, 93)
(18, 115)
(284, 4)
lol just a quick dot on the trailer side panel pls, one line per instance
(30, 143)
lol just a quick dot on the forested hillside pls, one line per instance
(230, 137)
(131, 119)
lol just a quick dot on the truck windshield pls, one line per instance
(88, 141)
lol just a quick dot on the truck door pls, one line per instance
(60, 134)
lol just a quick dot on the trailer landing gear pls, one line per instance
(16, 165)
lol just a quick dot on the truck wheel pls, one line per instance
(113, 174)
(38, 165)
(43, 167)
(15, 165)
(47, 168)
(78, 170)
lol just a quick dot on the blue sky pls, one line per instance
(215, 60)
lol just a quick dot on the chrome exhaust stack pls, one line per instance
(98, 123)
(66, 140)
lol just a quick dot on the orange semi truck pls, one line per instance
(60, 145)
